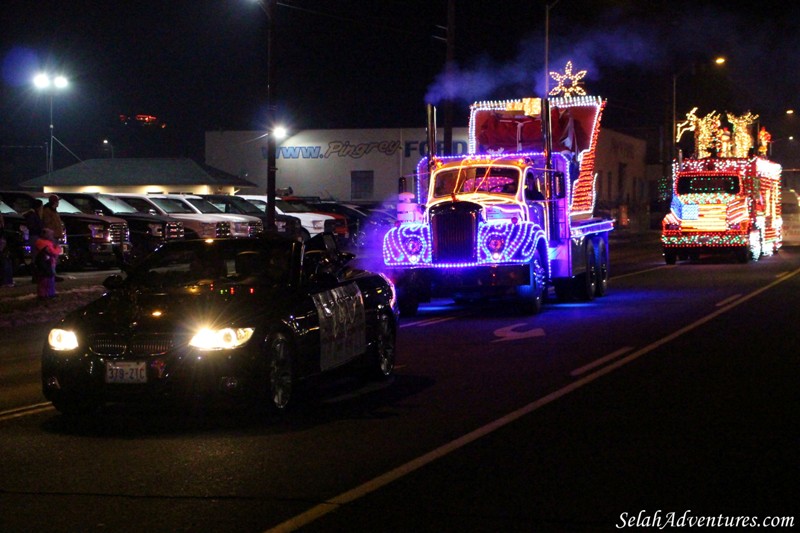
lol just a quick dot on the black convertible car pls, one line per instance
(251, 317)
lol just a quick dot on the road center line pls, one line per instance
(376, 483)
(728, 300)
(602, 360)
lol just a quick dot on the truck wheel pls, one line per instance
(588, 280)
(756, 246)
(602, 268)
(407, 302)
(531, 295)
(670, 257)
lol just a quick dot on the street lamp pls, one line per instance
(44, 82)
(675, 76)
(110, 146)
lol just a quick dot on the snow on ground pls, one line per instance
(24, 309)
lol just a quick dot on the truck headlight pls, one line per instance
(62, 339)
(220, 339)
(97, 231)
(156, 230)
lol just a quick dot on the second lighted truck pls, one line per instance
(725, 199)
(513, 216)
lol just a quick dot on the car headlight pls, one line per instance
(156, 230)
(97, 231)
(61, 340)
(220, 339)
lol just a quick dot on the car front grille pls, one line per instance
(137, 345)
(255, 228)
(223, 229)
(119, 232)
(454, 234)
(173, 230)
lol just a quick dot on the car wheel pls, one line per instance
(382, 354)
(280, 372)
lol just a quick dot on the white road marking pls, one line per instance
(376, 483)
(728, 300)
(427, 322)
(601, 361)
(508, 333)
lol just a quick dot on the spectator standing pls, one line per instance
(52, 220)
(44, 266)
(6, 274)
(33, 220)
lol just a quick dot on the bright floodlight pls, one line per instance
(43, 81)
(279, 132)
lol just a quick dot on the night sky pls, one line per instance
(201, 65)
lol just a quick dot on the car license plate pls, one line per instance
(126, 372)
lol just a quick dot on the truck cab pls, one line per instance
(512, 217)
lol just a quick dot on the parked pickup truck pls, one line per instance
(91, 240)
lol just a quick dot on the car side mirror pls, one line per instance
(113, 282)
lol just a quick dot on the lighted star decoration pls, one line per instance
(568, 83)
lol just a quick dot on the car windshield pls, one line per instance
(291, 207)
(707, 183)
(204, 206)
(64, 206)
(168, 205)
(116, 205)
(243, 206)
(208, 262)
(496, 180)
(5, 208)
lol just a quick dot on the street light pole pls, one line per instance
(268, 7)
(43, 81)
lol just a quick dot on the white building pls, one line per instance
(365, 165)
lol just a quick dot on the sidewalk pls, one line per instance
(19, 305)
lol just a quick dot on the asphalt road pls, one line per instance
(676, 393)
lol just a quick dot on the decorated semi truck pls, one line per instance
(725, 199)
(512, 217)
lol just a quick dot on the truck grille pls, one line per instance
(138, 345)
(119, 232)
(173, 230)
(223, 229)
(454, 234)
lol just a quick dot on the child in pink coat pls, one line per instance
(47, 252)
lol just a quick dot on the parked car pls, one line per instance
(15, 233)
(365, 228)
(313, 223)
(250, 318)
(230, 203)
(91, 240)
(241, 225)
(195, 226)
(340, 228)
(147, 230)
(790, 213)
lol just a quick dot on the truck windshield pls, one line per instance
(707, 183)
(116, 205)
(495, 180)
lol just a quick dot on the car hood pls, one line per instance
(179, 310)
